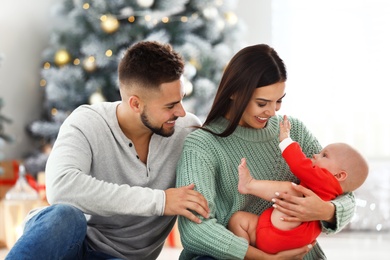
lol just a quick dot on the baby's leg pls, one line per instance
(244, 178)
(261, 188)
(243, 224)
(276, 219)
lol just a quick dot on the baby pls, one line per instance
(337, 169)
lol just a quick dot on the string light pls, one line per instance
(165, 19)
(76, 61)
(54, 111)
(109, 23)
(108, 53)
(89, 64)
(131, 19)
(231, 18)
(42, 83)
(96, 97)
(148, 18)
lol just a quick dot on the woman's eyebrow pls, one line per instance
(267, 100)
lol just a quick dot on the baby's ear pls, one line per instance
(341, 175)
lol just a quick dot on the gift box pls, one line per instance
(8, 179)
(9, 176)
(173, 239)
(15, 212)
(21, 193)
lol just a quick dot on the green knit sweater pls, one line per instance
(211, 163)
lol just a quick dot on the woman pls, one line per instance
(243, 123)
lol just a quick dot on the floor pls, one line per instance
(356, 245)
(342, 246)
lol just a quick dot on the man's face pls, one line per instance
(161, 110)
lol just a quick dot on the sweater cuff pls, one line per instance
(286, 142)
(344, 210)
(160, 202)
(239, 249)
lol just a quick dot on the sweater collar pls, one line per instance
(249, 134)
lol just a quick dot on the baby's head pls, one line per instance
(347, 165)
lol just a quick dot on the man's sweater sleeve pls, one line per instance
(68, 180)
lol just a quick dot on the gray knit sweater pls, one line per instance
(94, 167)
(211, 163)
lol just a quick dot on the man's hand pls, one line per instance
(183, 201)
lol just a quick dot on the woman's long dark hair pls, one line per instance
(252, 67)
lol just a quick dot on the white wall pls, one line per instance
(24, 33)
(257, 16)
(337, 55)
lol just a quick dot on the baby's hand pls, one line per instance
(285, 127)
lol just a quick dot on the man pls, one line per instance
(111, 173)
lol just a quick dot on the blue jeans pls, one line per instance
(57, 232)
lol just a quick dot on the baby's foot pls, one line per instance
(244, 177)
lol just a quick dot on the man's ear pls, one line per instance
(341, 175)
(134, 103)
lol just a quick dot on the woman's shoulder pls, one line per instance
(293, 120)
(201, 136)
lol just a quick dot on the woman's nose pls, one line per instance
(271, 111)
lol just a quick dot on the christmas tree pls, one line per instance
(90, 36)
(4, 138)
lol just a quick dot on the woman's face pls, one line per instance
(264, 103)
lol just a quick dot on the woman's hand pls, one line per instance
(310, 207)
(293, 254)
(297, 253)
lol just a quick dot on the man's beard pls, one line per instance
(156, 130)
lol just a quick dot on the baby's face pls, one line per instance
(328, 158)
